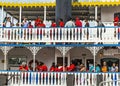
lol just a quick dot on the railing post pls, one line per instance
(20, 16)
(63, 58)
(5, 58)
(2, 16)
(94, 52)
(34, 53)
(44, 14)
(96, 9)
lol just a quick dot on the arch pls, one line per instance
(48, 55)
(107, 52)
(79, 53)
(23, 53)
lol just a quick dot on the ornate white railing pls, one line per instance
(100, 34)
(17, 78)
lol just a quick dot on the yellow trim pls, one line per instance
(85, 3)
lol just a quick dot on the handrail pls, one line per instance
(100, 84)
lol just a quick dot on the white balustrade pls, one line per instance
(17, 78)
(52, 35)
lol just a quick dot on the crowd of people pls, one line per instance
(38, 23)
(73, 67)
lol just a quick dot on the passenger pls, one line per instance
(78, 66)
(70, 23)
(104, 67)
(61, 23)
(116, 21)
(91, 68)
(25, 23)
(37, 21)
(71, 67)
(53, 24)
(23, 67)
(8, 22)
(30, 25)
(97, 68)
(41, 24)
(114, 68)
(52, 68)
(44, 67)
(86, 23)
(99, 23)
(78, 22)
(82, 68)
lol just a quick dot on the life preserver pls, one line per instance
(30, 64)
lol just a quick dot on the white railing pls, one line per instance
(17, 78)
(101, 34)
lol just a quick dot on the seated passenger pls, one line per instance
(23, 67)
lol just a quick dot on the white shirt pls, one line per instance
(70, 24)
(8, 24)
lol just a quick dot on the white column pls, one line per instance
(20, 16)
(94, 56)
(96, 12)
(34, 54)
(5, 58)
(2, 16)
(63, 58)
(44, 14)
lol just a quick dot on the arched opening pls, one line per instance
(16, 56)
(109, 55)
(80, 55)
(48, 55)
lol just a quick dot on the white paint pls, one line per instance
(107, 13)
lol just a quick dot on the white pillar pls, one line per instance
(34, 54)
(63, 58)
(5, 58)
(2, 16)
(44, 14)
(20, 16)
(94, 57)
(96, 12)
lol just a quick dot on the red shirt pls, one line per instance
(61, 24)
(71, 67)
(52, 69)
(116, 20)
(23, 68)
(30, 26)
(41, 25)
(56, 69)
(37, 21)
(53, 25)
(44, 68)
(78, 23)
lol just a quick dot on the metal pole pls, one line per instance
(5, 58)
(94, 58)
(96, 12)
(63, 58)
(20, 16)
(44, 14)
(2, 16)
